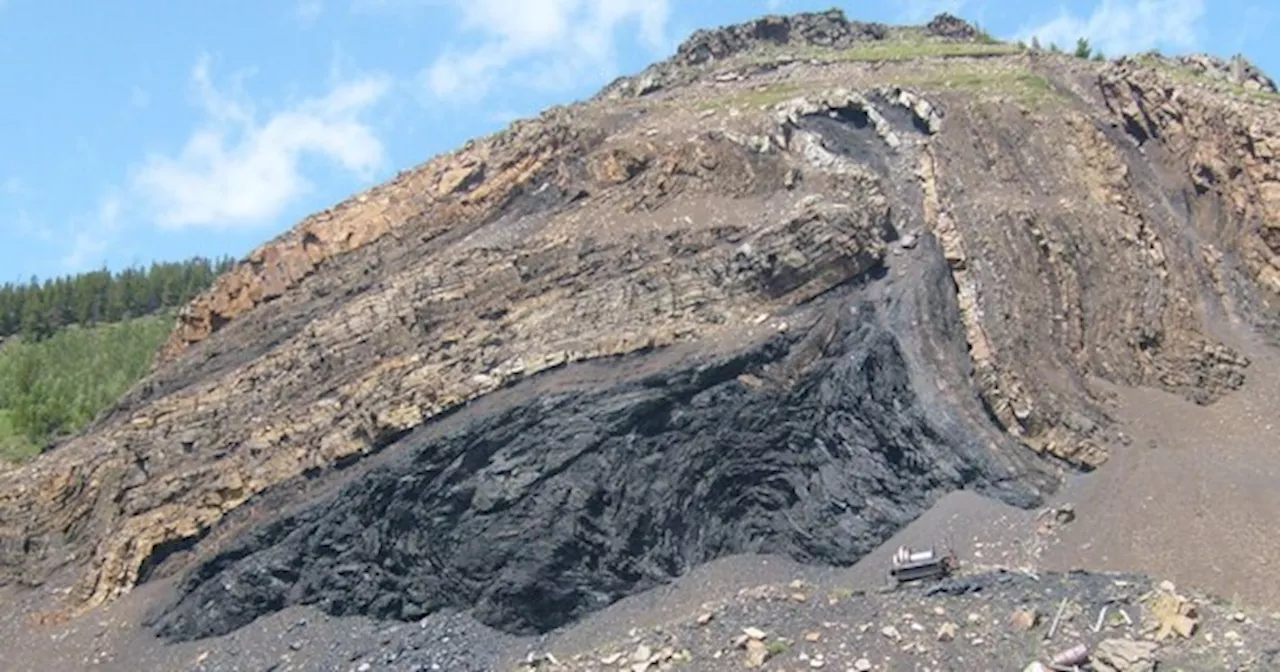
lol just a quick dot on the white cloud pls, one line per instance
(548, 44)
(92, 236)
(308, 10)
(237, 171)
(1124, 26)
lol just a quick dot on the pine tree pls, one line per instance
(1083, 50)
(100, 296)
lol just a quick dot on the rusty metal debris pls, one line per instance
(909, 565)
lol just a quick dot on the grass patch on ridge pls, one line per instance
(1020, 84)
(1014, 82)
(770, 94)
(892, 50)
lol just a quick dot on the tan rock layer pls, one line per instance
(468, 184)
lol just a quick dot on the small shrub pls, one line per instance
(1083, 50)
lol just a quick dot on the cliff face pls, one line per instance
(778, 293)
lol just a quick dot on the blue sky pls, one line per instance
(139, 130)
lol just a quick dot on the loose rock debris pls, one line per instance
(1143, 627)
(1174, 614)
(1124, 655)
(1052, 518)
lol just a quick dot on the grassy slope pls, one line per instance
(59, 385)
(966, 70)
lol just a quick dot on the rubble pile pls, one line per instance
(985, 620)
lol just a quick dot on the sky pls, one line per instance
(146, 130)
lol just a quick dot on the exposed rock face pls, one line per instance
(783, 310)
(431, 200)
(822, 29)
(1225, 148)
(813, 444)
(951, 27)
(773, 41)
(1237, 71)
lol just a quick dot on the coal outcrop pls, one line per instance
(817, 443)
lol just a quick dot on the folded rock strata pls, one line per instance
(813, 443)
(783, 310)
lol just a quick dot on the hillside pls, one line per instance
(56, 387)
(779, 294)
(71, 346)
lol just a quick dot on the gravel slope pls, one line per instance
(1193, 497)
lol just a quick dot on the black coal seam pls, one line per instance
(530, 604)
(155, 562)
